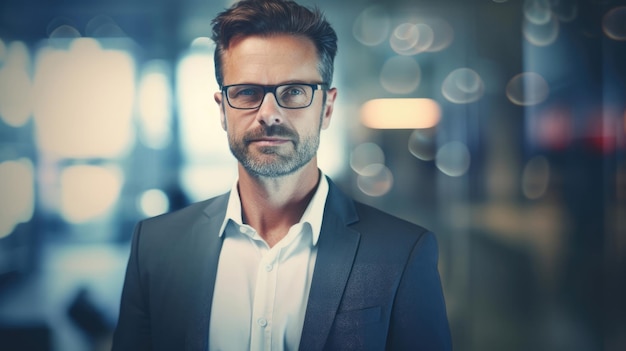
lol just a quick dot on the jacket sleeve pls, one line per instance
(133, 331)
(418, 318)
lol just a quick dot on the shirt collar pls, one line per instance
(313, 214)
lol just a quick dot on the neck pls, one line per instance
(272, 205)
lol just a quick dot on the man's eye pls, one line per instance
(295, 91)
(246, 92)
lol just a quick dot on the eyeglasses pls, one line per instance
(290, 96)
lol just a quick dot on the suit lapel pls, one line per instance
(205, 250)
(337, 247)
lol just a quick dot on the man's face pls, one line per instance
(272, 141)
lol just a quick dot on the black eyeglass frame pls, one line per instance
(272, 89)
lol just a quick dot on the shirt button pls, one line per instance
(269, 268)
(262, 322)
(242, 229)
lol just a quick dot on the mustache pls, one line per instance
(275, 130)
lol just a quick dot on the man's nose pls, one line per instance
(269, 112)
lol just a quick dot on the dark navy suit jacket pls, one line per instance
(375, 285)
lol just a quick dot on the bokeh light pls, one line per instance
(17, 194)
(551, 128)
(202, 181)
(366, 154)
(603, 128)
(614, 23)
(443, 33)
(84, 99)
(209, 168)
(202, 136)
(423, 144)
(462, 86)
(155, 105)
(410, 39)
(541, 34)
(453, 159)
(375, 180)
(16, 102)
(400, 75)
(332, 154)
(66, 28)
(89, 192)
(372, 26)
(526, 89)
(537, 11)
(536, 177)
(64, 31)
(103, 26)
(202, 44)
(153, 202)
(400, 113)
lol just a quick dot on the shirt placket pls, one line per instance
(264, 299)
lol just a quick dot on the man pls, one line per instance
(284, 261)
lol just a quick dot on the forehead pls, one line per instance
(270, 60)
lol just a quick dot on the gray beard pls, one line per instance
(276, 163)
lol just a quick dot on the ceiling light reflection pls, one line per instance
(400, 113)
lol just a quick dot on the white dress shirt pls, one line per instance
(261, 293)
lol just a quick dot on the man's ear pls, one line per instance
(331, 95)
(219, 99)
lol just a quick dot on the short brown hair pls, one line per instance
(268, 17)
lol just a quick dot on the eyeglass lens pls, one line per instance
(251, 96)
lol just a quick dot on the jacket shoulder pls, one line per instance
(375, 221)
(188, 213)
(173, 226)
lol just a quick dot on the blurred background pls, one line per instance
(498, 124)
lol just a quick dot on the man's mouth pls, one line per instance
(269, 141)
